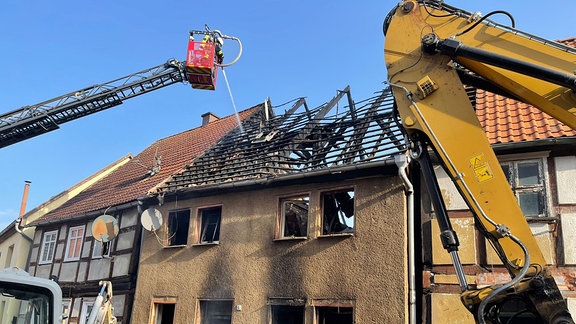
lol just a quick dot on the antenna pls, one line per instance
(151, 219)
(105, 228)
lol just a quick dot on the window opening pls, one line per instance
(287, 314)
(338, 212)
(48, 247)
(527, 181)
(74, 245)
(215, 312)
(334, 315)
(178, 225)
(164, 313)
(294, 216)
(209, 219)
(101, 249)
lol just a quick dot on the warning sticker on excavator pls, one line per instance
(481, 168)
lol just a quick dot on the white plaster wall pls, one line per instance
(452, 198)
(569, 238)
(82, 269)
(125, 241)
(121, 265)
(99, 269)
(68, 272)
(565, 179)
(129, 218)
(43, 271)
(118, 302)
(543, 237)
(571, 305)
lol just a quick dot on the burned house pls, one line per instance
(297, 217)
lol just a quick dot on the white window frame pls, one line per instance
(75, 240)
(66, 308)
(98, 247)
(86, 309)
(46, 245)
(541, 159)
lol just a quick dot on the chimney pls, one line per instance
(208, 117)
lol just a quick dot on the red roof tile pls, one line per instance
(506, 120)
(131, 180)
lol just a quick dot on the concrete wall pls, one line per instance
(366, 270)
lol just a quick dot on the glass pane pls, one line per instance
(528, 174)
(338, 212)
(296, 216)
(284, 314)
(506, 169)
(531, 203)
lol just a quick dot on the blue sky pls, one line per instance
(290, 49)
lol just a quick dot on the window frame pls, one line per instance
(323, 206)
(276, 302)
(178, 213)
(281, 218)
(87, 307)
(199, 224)
(79, 239)
(41, 259)
(66, 305)
(200, 315)
(543, 188)
(158, 302)
(320, 304)
(101, 244)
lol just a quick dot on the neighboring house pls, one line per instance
(16, 246)
(299, 218)
(64, 246)
(539, 156)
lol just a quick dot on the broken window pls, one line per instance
(338, 212)
(215, 311)
(286, 310)
(178, 224)
(526, 179)
(334, 315)
(101, 249)
(209, 224)
(293, 218)
(163, 312)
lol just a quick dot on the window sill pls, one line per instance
(175, 246)
(290, 238)
(336, 235)
(541, 219)
(206, 243)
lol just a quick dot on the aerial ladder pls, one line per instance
(39, 300)
(200, 70)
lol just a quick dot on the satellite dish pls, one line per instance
(151, 219)
(105, 228)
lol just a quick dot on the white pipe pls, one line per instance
(402, 162)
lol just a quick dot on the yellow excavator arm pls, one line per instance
(431, 51)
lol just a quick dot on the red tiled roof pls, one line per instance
(131, 181)
(506, 120)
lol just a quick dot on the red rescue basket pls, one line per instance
(200, 68)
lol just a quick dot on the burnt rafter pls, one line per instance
(270, 145)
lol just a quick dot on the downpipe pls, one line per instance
(402, 161)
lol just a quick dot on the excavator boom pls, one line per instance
(430, 48)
